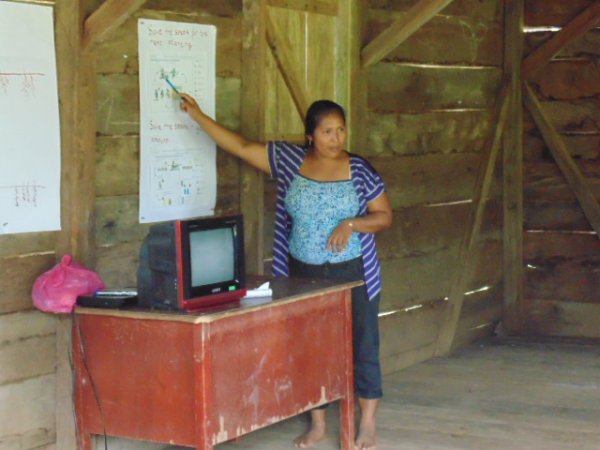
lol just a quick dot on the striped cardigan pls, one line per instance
(285, 160)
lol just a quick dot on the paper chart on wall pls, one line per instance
(177, 159)
(29, 120)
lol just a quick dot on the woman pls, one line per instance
(329, 205)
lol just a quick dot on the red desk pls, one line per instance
(200, 379)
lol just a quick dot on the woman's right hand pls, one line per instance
(190, 106)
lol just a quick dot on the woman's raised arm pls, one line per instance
(254, 153)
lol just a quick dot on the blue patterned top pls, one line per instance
(317, 208)
(285, 160)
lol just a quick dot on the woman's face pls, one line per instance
(329, 136)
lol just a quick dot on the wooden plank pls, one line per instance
(555, 216)
(413, 88)
(27, 407)
(117, 264)
(117, 220)
(421, 279)
(434, 132)
(17, 275)
(569, 80)
(561, 247)
(557, 318)
(562, 267)
(405, 333)
(512, 160)
(545, 182)
(570, 118)
(23, 325)
(117, 163)
(32, 357)
(586, 45)
(584, 147)
(26, 243)
(295, 138)
(581, 24)
(322, 58)
(489, 10)
(195, 9)
(326, 7)
(401, 30)
(444, 39)
(287, 68)
(543, 13)
(569, 168)
(569, 281)
(472, 227)
(422, 230)
(253, 126)
(36, 438)
(109, 16)
(416, 180)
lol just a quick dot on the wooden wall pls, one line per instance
(429, 107)
(562, 254)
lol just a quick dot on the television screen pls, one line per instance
(216, 246)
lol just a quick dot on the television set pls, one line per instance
(192, 263)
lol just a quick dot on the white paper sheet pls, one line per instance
(29, 120)
(178, 160)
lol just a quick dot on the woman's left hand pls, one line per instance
(340, 237)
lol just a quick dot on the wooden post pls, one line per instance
(513, 314)
(351, 90)
(77, 92)
(253, 127)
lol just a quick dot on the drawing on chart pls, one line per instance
(24, 195)
(23, 83)
(177, 180)
(178, 72)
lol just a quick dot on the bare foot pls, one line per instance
(310, 438)
(367, 434)
(366, 439)
(317, 432)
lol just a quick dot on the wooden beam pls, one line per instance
(467, 258)
(512, 171)
(401, 30)
(109, 16)
(77, 93)
(254, 56)
(326, 7)
(283, 57)
(577, 27)
(574, 177)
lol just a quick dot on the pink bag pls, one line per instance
(57, 289)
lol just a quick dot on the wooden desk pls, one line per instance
(200, 379)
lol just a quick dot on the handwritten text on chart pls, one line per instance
(174, 37)
(24, 82)
(25, 195)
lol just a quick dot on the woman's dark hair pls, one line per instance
(315, 113)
